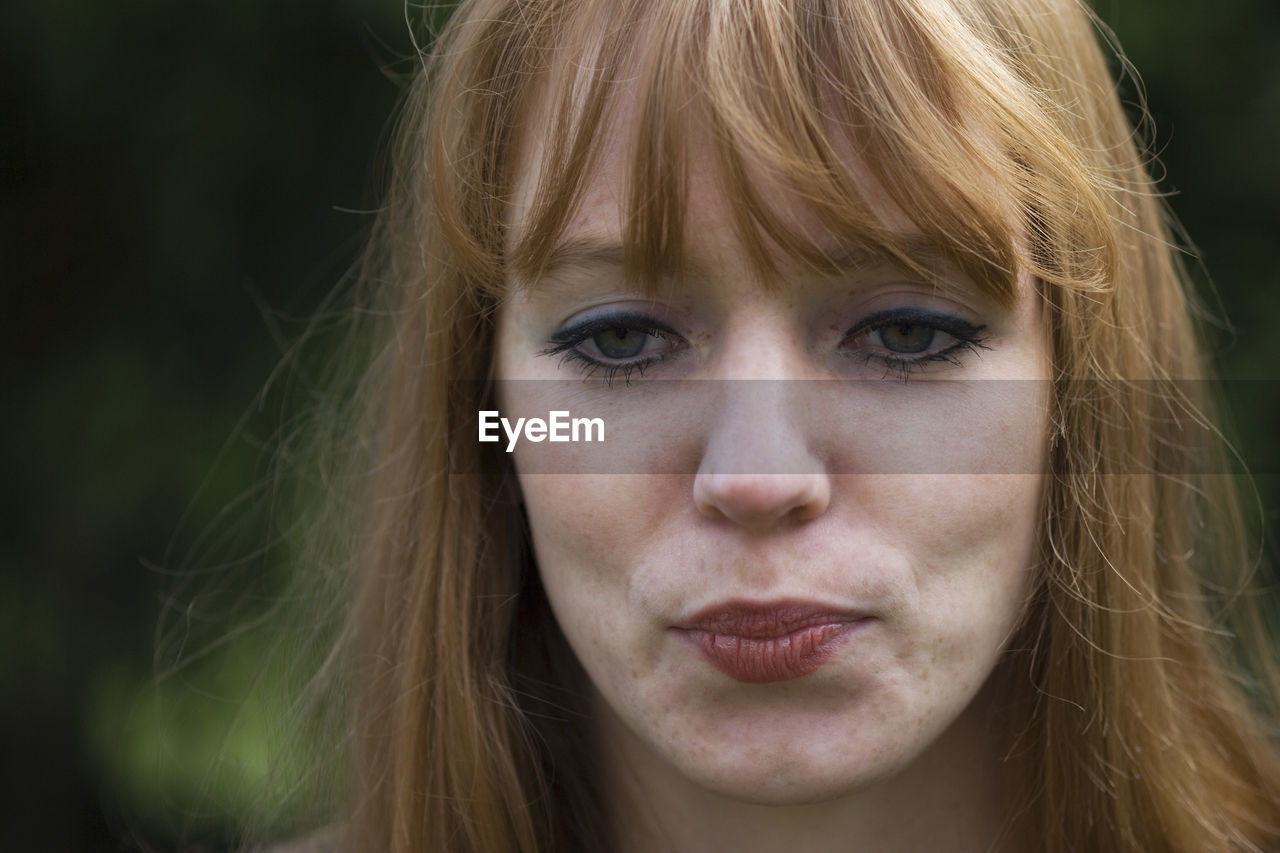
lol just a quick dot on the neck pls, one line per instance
(951, 797)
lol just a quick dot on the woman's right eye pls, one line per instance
(615, 345)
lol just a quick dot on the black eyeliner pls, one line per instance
(949, 323)
(969, 337)
(566, 343)
(593, 326)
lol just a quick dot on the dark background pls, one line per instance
(181, 181)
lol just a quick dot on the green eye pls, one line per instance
(907, 338)
(620, 342)
(616, 345)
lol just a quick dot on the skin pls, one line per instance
(914, 504)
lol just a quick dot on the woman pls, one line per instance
(974, 595)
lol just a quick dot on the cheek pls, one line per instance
(970, 542)
(988, 518)
(594, 515)
(596, 538)
(591, 531)
(562, 516)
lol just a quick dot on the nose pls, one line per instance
(758, 502)
(758, 470)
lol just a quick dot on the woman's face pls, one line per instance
(810, 529)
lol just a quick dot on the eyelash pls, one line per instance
(968, 338)
(567, 343)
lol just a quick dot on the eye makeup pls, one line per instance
(622, 344)
(904, 341)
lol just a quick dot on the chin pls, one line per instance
(792, 785)
(798, 770)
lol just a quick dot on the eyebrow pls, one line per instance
(585, 252)
(592, 252)
(917, 248)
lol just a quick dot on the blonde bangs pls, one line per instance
(930, 100)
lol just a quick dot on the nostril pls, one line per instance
(761, 500)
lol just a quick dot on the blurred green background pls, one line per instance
(182, 181)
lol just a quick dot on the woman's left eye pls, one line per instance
(909, 338)
(621, 342)
(616, 345)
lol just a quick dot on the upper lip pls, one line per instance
(767, 619)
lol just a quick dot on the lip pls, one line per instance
(768, 641)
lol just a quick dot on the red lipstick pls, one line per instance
(763, 642)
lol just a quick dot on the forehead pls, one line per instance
(642, 138)
(599, 219)
(704, 189)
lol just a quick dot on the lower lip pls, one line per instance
(763, 660)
